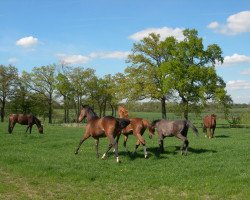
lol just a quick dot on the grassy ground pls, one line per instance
(44, 167)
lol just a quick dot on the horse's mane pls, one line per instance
(155, 121)
(89, 110)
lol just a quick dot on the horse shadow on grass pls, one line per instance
(222, 136)
(155, 151)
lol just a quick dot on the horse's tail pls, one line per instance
(9, 127)
(148, 125)
(123, 122)
(195, 130)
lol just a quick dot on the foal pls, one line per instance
(136, 127)
(178, 128)
(101, 127)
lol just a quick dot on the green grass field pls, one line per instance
(44, 167)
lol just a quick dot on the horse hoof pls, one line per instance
(103, 156)
(146, 156)
(76, 152)
(117, 160)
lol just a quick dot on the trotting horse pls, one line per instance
(177, 128)
(209, 125)
(24, 119)
(97, 127)
(136, 127)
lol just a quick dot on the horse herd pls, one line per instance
(112, 128)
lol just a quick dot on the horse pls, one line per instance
(97, 127)
(136, 127)
(209, 125)
(24, 119)
(177, 128)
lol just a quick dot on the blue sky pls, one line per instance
(100, 34)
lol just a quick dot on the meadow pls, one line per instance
(44, 166)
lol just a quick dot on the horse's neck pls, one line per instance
(91, 115)
(38, 124)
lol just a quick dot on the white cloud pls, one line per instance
(82, 59)
(246, 72)
(213, 25)
(238, 85)
(235, 59)
(12, 60)
(114, 54)
(164, 32)
(73, 59)
(237, 23)
(27, 41)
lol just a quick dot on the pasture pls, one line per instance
(44, 166)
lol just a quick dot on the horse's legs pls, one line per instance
(184, 146)
(109, 147)
(213, 131)
(96, 146)
(115, 145)
(161, 147)
(209, 133)
(27, 128)
(125, 142)
(141, 141)
(85, 136)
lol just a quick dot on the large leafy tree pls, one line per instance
(8, 83)
(42, 80)
(145, 77)
(191, 74)
(79, 78)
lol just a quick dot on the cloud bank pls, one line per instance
(236, 24)
(164, 32)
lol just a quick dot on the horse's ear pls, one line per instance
(82, 106)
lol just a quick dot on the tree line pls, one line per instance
(160, 70)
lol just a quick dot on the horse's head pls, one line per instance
(151, 130)
(122, 112)
(83, 113)
(40, 129)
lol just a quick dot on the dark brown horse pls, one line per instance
(177, 128)
(136, 127)
(101, 127)
(24, 119)
(209, 125)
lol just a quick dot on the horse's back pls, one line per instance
(210, 121)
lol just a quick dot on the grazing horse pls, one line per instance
(24, 119)
(136, 127)
(209, 125)
(177, 128)
(97, 127)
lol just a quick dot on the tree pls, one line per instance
(8, 81)
(42, 81)
(145, 77)
(64, 87)
(191, 74)
(79, 77)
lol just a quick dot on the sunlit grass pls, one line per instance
(35, 166)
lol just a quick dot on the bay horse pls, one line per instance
(209, 125)
(177, 128)
(97, 127)
(24, 119)
(136, 127)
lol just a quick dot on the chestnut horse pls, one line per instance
(97, 127)
(177, 128)
(136, 127)
(24, 119)
(209, 125)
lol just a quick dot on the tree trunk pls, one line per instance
(186, 109)
(50, 110)
(163, 108)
